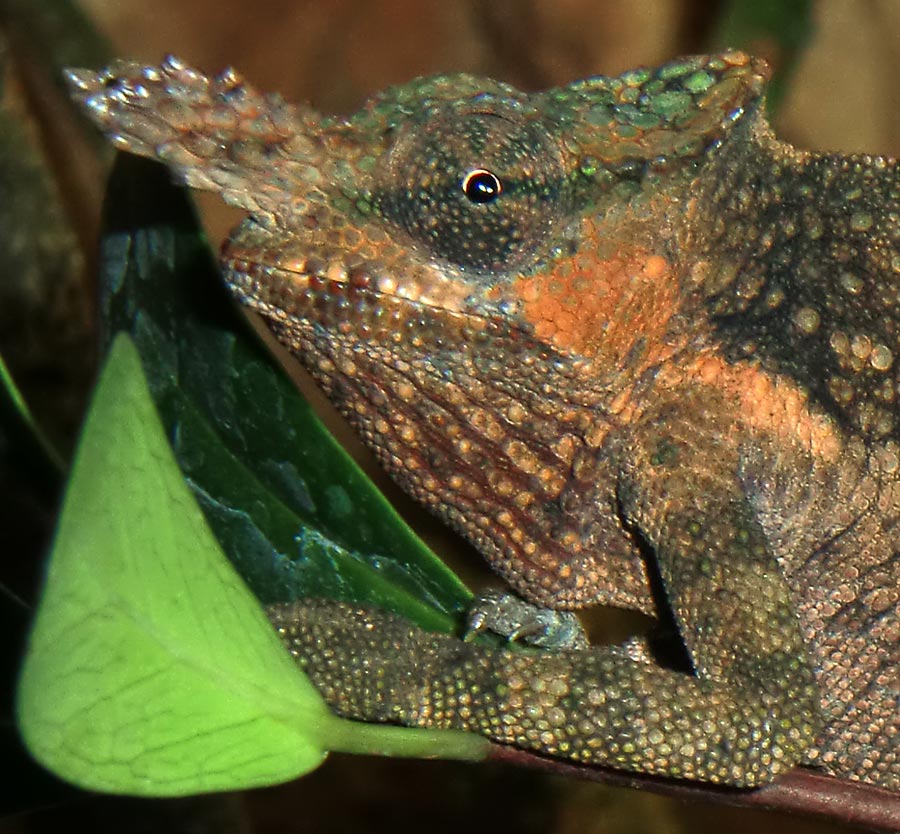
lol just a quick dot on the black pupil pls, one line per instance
(481, 186)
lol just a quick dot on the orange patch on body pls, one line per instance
(618, 312)
(763, 402)
(604, 309)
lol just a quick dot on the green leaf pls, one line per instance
(151, 668)
(290, 508)
(23, 442)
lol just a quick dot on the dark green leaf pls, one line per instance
(291, 509)
(23, 443)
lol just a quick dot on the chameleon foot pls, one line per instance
(516, 620)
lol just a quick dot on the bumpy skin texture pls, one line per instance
(634, 348)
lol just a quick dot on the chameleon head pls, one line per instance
(454, 218)
(455, 261)
(414, 216)
(441, 209)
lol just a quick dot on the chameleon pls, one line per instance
(637, 350)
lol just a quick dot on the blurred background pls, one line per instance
(840, 56)
(335, 53)
(837, 67)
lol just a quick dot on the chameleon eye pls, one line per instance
(460, 217)
(481, 186)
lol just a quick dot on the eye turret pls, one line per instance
(479, 190)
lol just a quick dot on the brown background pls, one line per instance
(334, 53)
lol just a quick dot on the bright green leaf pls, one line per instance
(151, 668)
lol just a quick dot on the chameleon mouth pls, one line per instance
(361, 299)
(349, 293)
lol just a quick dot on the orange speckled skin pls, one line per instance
(635, 349)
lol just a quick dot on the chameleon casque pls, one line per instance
(634, 348)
